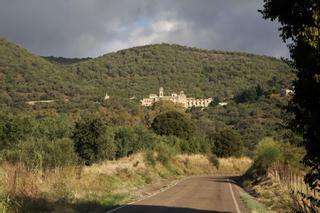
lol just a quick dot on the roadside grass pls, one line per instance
(252, 204)
(274, 196)
(103, 185)
(268, 190)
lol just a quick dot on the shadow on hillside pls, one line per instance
(43, 205)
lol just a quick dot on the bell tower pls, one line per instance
(160, 92)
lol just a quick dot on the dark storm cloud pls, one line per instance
(80, 28)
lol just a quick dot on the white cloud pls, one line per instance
(164, 26)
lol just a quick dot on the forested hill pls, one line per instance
(136, 72)
(201, 73)
(25, 76)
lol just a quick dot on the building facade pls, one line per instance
(180, 98)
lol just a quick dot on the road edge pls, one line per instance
(163, 189)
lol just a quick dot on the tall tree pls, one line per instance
(300, 27)
(173, 123)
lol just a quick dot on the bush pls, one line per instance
(145, 138)
(165, 154)
(268, 153)
(214, 160)
(14, 128)
(42, 154)
(88, 139)
(107, 144)
(226, 143)
(173, 123)
(53, 128)
(127, 142)
(150, 158)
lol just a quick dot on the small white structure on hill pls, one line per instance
(180, 98)
(286, 92)
(223, 103)
(106, 97)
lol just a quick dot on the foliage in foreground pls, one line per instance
(300, 24)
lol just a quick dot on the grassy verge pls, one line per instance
(252, 204)
(102, 186)
(271, 193)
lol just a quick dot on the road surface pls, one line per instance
(197, 194)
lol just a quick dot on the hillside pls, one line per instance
(135, 72)
(25, 76)
(201, 73)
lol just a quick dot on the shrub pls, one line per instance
(145, 138)
(126, 142)
(88, 140)
(42, 154)
(173, 123)
(165, 154)
(268, 153)
(53, 128)
(226, 143)
(150, 158)
(292, 155)
(214, 160)
(176, 144)
(107, 144)
(14, 128)
(198, 145)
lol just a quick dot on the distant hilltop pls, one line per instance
(180, 98)
(133, 72)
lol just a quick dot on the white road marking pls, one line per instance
(233, 197)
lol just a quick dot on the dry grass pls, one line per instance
(272, 192)
(77, 189)
(200, 164)
(234, 166)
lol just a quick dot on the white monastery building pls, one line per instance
(180, 98)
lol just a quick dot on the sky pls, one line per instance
(89, 28)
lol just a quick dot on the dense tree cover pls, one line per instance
(249, 95)
(62, 60)
(253, 120)
(26, 77)
(300, 25)
(120, 126)
(173, 123)
(134, 72)
(251, 81)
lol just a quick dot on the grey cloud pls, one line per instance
(81, 28)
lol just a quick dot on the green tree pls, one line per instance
(108, 145)
(226, 143)
(300, 24)
(268, 153)
(173, 123)
(126, 141)
(247, 95)
(87, 136)
(14, 128)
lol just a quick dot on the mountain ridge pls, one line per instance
(135, 71)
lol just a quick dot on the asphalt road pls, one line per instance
(196, 194)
